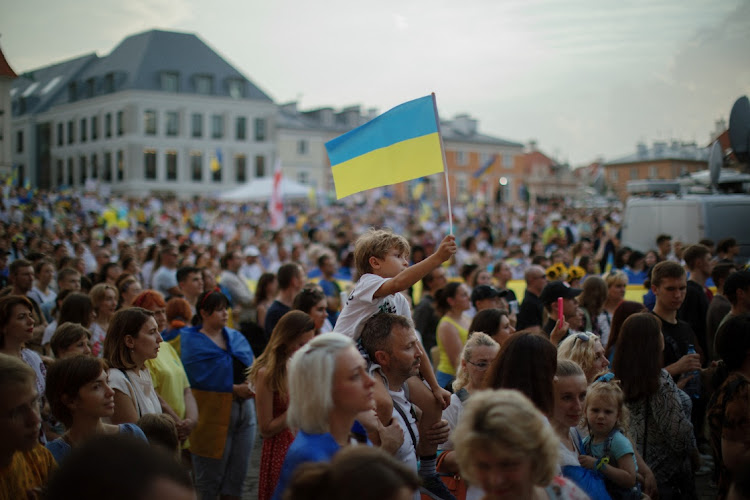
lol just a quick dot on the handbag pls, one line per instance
(455, 484)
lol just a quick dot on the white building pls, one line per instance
(162, 113)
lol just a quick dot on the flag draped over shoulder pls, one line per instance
(397, 146)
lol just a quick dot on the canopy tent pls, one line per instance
(260, 190)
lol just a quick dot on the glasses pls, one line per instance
(481, 366)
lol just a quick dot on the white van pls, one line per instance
(688, 218)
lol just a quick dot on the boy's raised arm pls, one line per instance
(412, 274)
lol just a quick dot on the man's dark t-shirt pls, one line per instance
(677, 336)
(273, 315)
(694, 311)
(531, 312)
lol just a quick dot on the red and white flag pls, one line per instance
(276, 202)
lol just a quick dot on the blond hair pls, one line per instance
(377, 243)
(608, 389)
(476, 339)
(581, 351)
(501, 422)
(614, 277)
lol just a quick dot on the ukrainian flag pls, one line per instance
(216, 161)
(397, 146)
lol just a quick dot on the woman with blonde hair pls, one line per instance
(587, 351)
(328, 387)
(505, 446)
(617, 282)
(476, 357)
(104, 298)
(269, 378)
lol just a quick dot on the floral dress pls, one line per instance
(273, 453)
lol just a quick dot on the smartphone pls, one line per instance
(560, 316)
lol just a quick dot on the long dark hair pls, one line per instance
(626, 309)
(639, 356)
(527, 362)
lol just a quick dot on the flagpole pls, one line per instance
(445, 166)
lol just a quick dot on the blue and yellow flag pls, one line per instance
(216, 161)
(397, 146)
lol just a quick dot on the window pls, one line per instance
(19, 141)
(204, 84)
(460, 158)
(83, 129)
(109, 82)
(82, 171)
(72, 92)
(241, 128)
(120, 123)
(240, 168)
(60, 130)
(70, 172)
(170, 81)
(173, 123)
(171, 165)
(149, 164)
(149, 122)
(236, 88)
(653, 172)
(302, 177)
(120, 165)
(217, 126)
(633, 173)
(94, 128)
(71, 132)
(107, 173)
(302, 147)
(196, 166)
(260, 166)
(216, 172)
(461, 184)
(260, 129)
(508, 161)
(613, 175)
(197, 125)
(94, 167)
(90, 87)
(60, 173)
(108, 125)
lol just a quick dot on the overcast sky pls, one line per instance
(585, 78)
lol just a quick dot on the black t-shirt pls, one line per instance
(694, 311)
(677, 336)
(273, 315)
(531, 311)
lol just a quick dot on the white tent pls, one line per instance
(260, 190)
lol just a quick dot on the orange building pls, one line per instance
(662, 161)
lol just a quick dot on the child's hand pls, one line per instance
(442, 396)
(447, 248)
(438, 434)
(587, 461)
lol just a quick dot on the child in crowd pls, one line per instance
(381, 260)
(607, 449)
(161, 431)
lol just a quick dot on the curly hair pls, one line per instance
(610, 391)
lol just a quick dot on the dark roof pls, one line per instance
(5, 69)
(138, 63)
(476, 138)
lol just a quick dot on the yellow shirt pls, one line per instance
(170, 380)
(444, 365)
(27, 471)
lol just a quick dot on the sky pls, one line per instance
(585, 79)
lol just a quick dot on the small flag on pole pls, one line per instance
(397, 146)
(276, 202)
(484, 167)
(216, 161)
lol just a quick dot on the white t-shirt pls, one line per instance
(361, 304)
(139, 387)
(48, 332)
(406, 453)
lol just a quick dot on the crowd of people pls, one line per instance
(503, 362)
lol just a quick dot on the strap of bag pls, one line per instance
(135, 400)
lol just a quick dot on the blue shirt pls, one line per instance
(61, 449)
(305, 448)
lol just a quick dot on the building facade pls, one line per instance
(7, 75)
(162, 113)
(664, 161)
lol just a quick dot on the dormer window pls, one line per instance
(72, 91)
(204, 84)
(236, 88)
(109, 82)
(170, 81)
(90, 87)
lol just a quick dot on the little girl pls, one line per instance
(607, 449)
